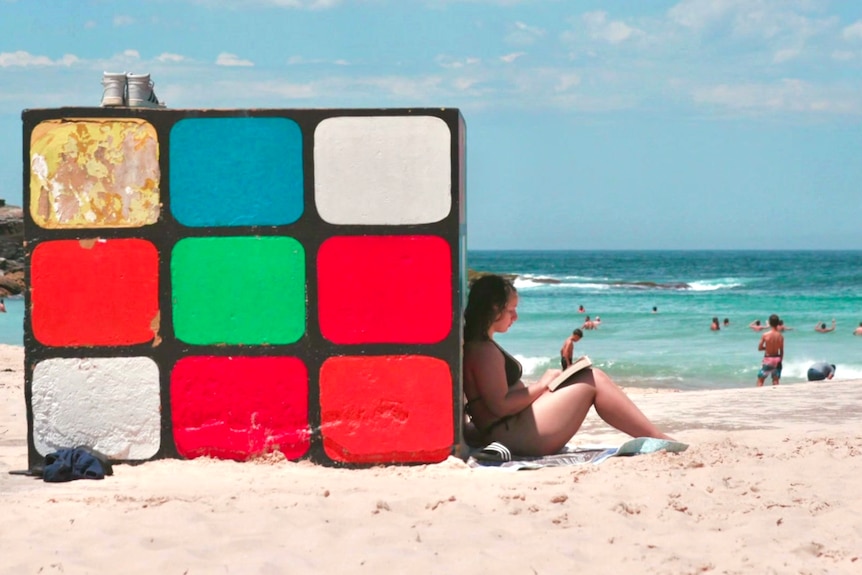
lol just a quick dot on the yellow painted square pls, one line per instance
(94, 173)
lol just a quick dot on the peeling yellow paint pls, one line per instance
(94, 173)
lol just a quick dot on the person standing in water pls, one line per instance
(772, 346)
(567, 352)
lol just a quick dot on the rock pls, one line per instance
(11, 250)
(12, 284)
(473, 275)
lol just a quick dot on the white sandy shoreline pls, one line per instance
(769, 484)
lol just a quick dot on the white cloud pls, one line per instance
(417, 89)
(464, 84)
(227, 59)
(287, 90)
(168, 57)
(765, 19)
(789, 95)
(370, 89)
(700, 14)
(302, 4)
(785, 55)
(853, 31)
(509, 58)
(299, 60)
(843, 55)
(613, 31)
(22, 59)
(453, 64)
(567, 81)
(123, 20)
(524, 34)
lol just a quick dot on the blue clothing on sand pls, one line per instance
(75, 463)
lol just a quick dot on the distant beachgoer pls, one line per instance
(581, 309)
(858, 330)
(654, 309)
(726, 322)
(782, 327)
(820, 371)
(589, 324)
(3, 307)
(715, 326)
(568, 350)
(597, 321)
(772, 346)
(821, 327)
(757, 326)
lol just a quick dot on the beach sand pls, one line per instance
(769, 484)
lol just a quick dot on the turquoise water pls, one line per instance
(12, 322)
(675, 348)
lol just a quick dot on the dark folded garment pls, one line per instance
(75, 463)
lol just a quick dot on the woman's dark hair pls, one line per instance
(488, 297)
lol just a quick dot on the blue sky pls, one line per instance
(688, 124)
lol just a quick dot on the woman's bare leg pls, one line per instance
(619, 411)
(554, 418)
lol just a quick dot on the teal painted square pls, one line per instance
(238, 290)
(236, 172)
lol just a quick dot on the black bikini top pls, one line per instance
(514, 370)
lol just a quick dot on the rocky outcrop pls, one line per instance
(474, 275)
(11, 250)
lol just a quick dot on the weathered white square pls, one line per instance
(109, 404)
(383, 170)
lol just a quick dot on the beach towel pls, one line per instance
(498, 455)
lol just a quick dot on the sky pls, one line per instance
(687, 124)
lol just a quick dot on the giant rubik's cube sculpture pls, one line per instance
(229, 283)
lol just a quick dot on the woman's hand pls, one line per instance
(549, 376)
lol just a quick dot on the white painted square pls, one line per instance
(109, 404)
(383, 170)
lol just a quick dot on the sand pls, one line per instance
(770, 484)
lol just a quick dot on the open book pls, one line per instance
(582, 362)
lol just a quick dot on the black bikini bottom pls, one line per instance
(501, 421)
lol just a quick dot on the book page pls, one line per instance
(582, 362)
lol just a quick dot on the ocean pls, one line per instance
(674, 347)
(12, 322)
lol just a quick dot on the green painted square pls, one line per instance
(238, 290)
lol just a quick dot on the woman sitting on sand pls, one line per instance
(528, 418)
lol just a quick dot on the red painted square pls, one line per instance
(94, 292)
(238, 407)
(386, 409)
(385, 289)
